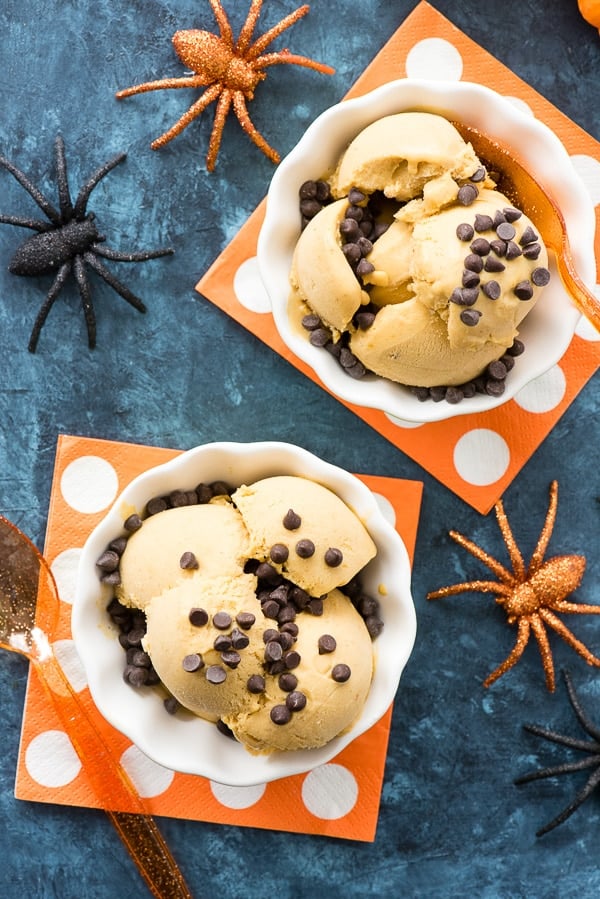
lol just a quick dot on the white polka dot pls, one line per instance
(69, 661)
(51, 760)
(237, 797)
(149, 778)
(402, 423)
(89, 484)
(481, 456)
(249, 288)
(436, 58)
(64, 569)
(330, 792)
(386, 508)
(543, 393)
(588, 170)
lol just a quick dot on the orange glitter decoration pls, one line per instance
(531, 596)
(230, 70)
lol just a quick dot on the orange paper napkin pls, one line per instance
(476, 456)
(339, 799)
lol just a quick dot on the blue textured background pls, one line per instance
(452, 824)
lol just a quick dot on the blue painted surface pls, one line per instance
(452, 824)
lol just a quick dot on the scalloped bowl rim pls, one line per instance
(553, 320)
(190, 744)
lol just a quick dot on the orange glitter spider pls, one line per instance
(531, 596)
(230, 70)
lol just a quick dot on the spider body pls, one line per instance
(230, 70)
(531, 596)
(68, 242)
(591, 760)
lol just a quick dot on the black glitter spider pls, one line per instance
(68, 241)
(591, 761)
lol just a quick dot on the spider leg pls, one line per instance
(162, 84)
(499, 570)
(116, 256)
(269, 36)
(100, 173)
(562, 605)
(583, 719)
(33, 224)
(85, 293)
(223, 22)
(64, 194)
(468, 586)
(241, 111)
(55, 289)
(563, 631)
(114, 282)
(515, 655)
(545, 652)
(584, 793)
(210, 94)
(546, 532)
(562, 739)
(44, 204)
(557, 770)
(214, 144)
(284, 56)
(507, 535)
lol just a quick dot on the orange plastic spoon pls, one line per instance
(526, 193)
(29, 611)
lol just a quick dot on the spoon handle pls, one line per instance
(112, 785)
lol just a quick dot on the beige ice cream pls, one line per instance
(244, 621)
(446, 286)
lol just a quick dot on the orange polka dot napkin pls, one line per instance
(339, 799)
(476, 456)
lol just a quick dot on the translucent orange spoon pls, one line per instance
(29, 611)
(525, 192)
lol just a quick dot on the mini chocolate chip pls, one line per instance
(220, 488)
(517, 348)
(499, 217)
(292, 659)
(270, 609)
(469, 295)
(355, 212)
(291, 521)
(286, 640)
(256, 683)
(494, 388)
(108, 561)
(499, 247)
(467, 194)
(364, 320)
(278, 553)
(315, 606)
(222, 642)
(356, 370)
(188, 561)
(245, 620)
(356, 196)
(308, 190)
(311, 322)
(323, 192)
(287, 613)
(341, 673)
(192, 662)
(483, 222)
(198, 617)
(320, 337)
(349, 229)
(221, 620)
(139, 658)
(506, 231)
(512, 214)
(470, 317)
(497, 370)
(528, 236)
(333, 557)
(326, 643)
(310, 208)
(523, 290)
(470, 279)
(287, 682)
(231, 658)
(454, 395)
(364, 245)
(271, 633)
(204, 494)
(478, 174)
(137, 677)
(238, 639)
(215, 674)
(480, 246)
(133, 523)
(305, 548)
(224, 729)
(465, 232)
(280, 714)
(473, 262)
(532, 250)
(493, 264)
(491, 289)
(177, 499)
(374, 625)
(456, 297)
(512, 250)
(118, 545)
(155, 505)
(364, 267)
(291, 628)
(280, 594)
(171, 705)
(273, 651)
(540, 276)
(266, 572)
(296, 701)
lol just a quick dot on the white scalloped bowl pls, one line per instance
(546, 331)
(190, 744)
